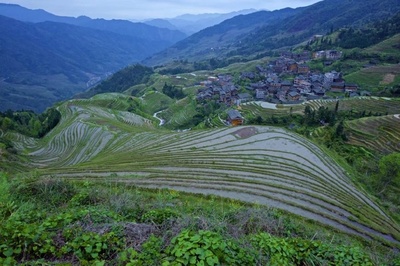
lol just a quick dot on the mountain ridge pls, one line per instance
(262, 36)
(191, 24)
(69, 56)
(125, 27)
(48, 58)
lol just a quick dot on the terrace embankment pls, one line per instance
(264, 165)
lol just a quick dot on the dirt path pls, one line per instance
(162, 121)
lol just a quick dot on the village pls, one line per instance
(270, 83)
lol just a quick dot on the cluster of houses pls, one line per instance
(267, 84)
(286, 80)
(223, 90)
(328, 55)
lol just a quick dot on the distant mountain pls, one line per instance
(217, 40)
(46, 62)
(190, 24)
(259, 32)
(47, 58)
(320, 18)
(125, 27)
(161, 23)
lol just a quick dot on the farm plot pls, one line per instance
(84, 132)
(377, 133)
(381, 106)
(361, 104)
(266, 165)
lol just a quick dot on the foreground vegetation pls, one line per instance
(54, 221)
(111, 151)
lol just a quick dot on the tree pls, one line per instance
(339, 133)
(389, 171)
(173, 92)
(7, 124)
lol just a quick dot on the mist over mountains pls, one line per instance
(49, 58)
(190, 24)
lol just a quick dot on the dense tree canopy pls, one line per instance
(30, 123)
(173, 91)
(389, 171)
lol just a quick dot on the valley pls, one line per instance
(267, 139)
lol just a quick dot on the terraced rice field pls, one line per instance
(361, 104)
(357, 104)
(377, 133)
(264, 165)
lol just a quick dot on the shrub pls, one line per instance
(159, 216)
(25, 240)
(90, 246)
(274, 251)
(149, 255)
(49, 191)
(205, 248)
(279, 251)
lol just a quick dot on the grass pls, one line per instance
(381, 134)
(100, 143)
(63, 211)
(154, 101)
(270, 166)
(375, 78)
(180, 114)
(387, 47)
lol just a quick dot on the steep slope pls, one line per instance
(390, 46)
(46, 62)
(121, 80)
(376, 133)
(267, 165)
(288, 27)
(219, 39)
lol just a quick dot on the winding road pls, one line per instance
(162, 121)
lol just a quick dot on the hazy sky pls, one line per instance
(135, 9)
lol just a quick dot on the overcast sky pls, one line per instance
(135, 9)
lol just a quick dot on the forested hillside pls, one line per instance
(266, 31)
(55, 57)
(121, 81)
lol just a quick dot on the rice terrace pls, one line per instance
(257, 164)
(252, 137)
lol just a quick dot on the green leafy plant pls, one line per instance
(90, 246)
(159, 216)
(280, 251)
(275, 251)
(25, 240)
(350, 256)
(205, 248)
(149, 255)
